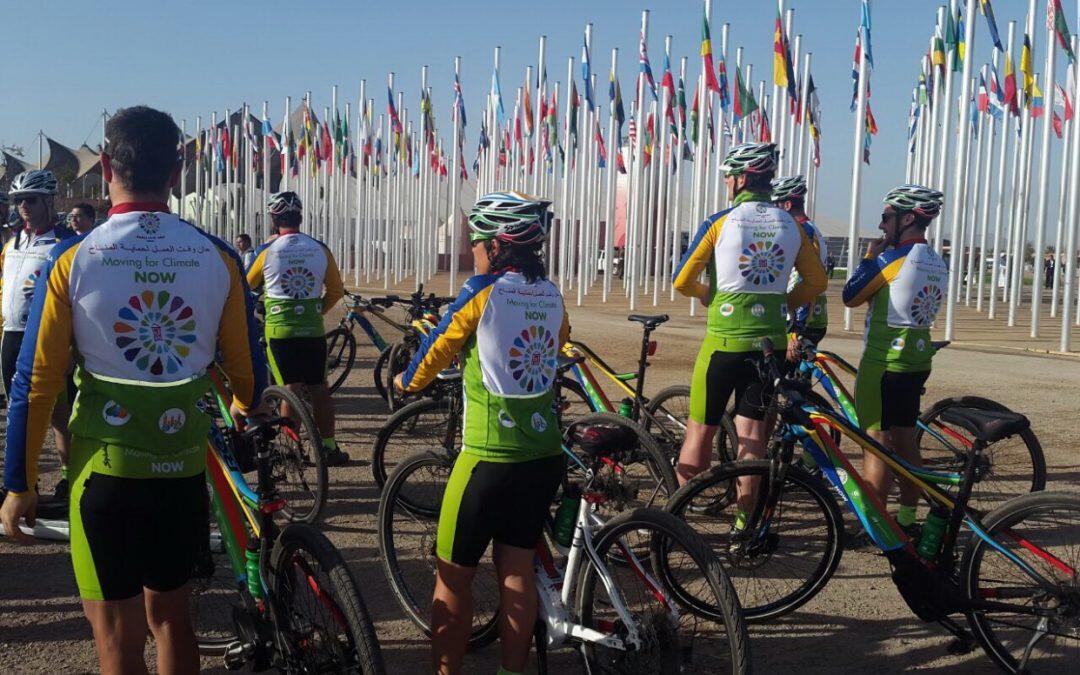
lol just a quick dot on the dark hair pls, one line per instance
(528, 259)
(245, 237)
(142, 144)
(758, 182)
(87, 210)
(290, 219)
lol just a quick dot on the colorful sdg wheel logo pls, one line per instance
(532, 358)
(926, 305)
(155, 331)
(761, 262)
(298, 282)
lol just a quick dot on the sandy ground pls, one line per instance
(858, 622)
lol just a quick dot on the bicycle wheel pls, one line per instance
(214, 593)
(296, 457)
(379, 372)
(668, 414)
(327, 626)
(777, 570)
(673, 640)
(401, 354)
(643, 476)
(340, 356)
(408, 527)
(424, 426)
(1041, 531)
(573, 402)
(1011, 467)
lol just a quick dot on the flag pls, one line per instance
(1062, 100)
(997, 93)
(855, 63)
(601, 151)
(765, 131)
(644, 67)
(725, 96)
(1027, 68)
(937, 55)
(961, 45)
(780, 65)
(575, 103)
(988, 11)
(496, 94)
(871, 123)
(271, 138)
(865, 24)
(682, 106)
(459, 103)
(1010, 86)
(706, 56)
(1056, 119)
(1037, 105)
(586, 75)
(815, 133)
(1057, 19)
(553, 123)
(668, 84)
(527, 111)
(974, 120)
(924, 97)
(744, 98)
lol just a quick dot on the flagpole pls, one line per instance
(183, 168)
(1021, 205)
(565, 201)
(939, 179)
(660, 241)
(1063, 192)
(856, 169)
(636, 202)
(700, 177)
(1044, 176)
(1065, 344)
(197, 217)
(981, 166)
(788, 140)
(676, 229)
(611, 176)
(720, 195)
(775, 114)
(992, 133)
(804, 127)
(959, 195)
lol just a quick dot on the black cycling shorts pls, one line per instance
(298, 360)
(507, 502)
(716, 375)
(885, 399)
(131, 533)
(9, 356)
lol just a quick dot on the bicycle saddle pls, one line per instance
(603, 440)
(988, 426)
(648, 320)
(449, 375)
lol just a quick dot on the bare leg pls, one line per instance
(322, 406)
(119, 634)
(903, 439)
(696, 453)
(169, 616)
(876, 472)
(451, 616)
(752, 441)
(517, 604)
(60, 416)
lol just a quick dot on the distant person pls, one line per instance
(830, 265)
(82, 218)
(1049, 266)
(243, 247)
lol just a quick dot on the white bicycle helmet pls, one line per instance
(284, 202)
(33, 182)
(750, 158)
(511, 217)
(789, 187)
(917, 199)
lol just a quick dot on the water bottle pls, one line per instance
(626, 407)
(932, 532)
(254, 582)
(566, 516)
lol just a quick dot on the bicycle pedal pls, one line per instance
(237, 654)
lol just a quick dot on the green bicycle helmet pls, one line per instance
(917, 199)
(753, 158)
(789, 187)
(511, 217)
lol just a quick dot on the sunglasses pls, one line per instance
(29, 201)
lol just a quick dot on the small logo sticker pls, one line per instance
(114, 415)
(758, 310)
(276, 309)
(538, 422)
(172, 421)
(727, 309)
(920, 344)
(299, 309)
(898, 344)
(506, 420)
(149, 223)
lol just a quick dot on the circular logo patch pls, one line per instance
(920, 344)
(925, 307)
(506, 420)
(155, 331)
(898, 344)
(149, 222)
(538, 422)
(761, 262)
(299, 309)
(818, 309)
(727, 309)
(114, 415)
(276, 309)
(172, 420)
(758, 310)
(297, 282)
(532, 358)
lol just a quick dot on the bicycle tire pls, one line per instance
(675, 538)
(671, 437)
(379, 372)
(348, 610)
(340, 356)
(214, 593)
(401, 354)
(695, 504)
(410, 429)
(408, 558)
(299, 466)
(994, 488)
(660, 482)
(1025, 544)
(572, 405)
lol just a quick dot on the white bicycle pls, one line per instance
(606, 594)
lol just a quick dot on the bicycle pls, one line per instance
(623, 619)
(664, 416)
(1015, 573)
(267, 596)
(944, 447)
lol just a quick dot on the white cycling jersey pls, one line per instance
(23, 257)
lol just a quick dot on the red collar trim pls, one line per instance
(913, 240)
(130, 207)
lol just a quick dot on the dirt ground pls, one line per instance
(857, 624)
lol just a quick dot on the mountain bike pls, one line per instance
(602, 593)
(1016, 579)
(269, 596)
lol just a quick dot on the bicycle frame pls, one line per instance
(598, 399)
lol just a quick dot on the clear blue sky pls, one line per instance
(65, 60)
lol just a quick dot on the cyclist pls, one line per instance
(22, 259)
(5, 214)
(904, 281)
(293, 270)
(145, 301)
(750, 251)
(509, 323)
(811, 320)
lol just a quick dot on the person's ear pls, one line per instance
(174, 177)
(106, 167)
